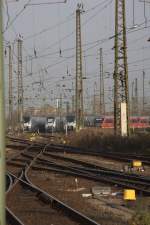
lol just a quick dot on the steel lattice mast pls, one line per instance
(136, 100)
(121, 94)
(94, 99)
(10, 89)
(102, 96)
(79, 82)
(143, 101)
(20, 86)
(132, 98)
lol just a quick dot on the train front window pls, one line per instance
(26, 119)
(50, 120)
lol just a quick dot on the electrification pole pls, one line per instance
(79, 82)
(136, 106)
(60, 110)
(132, 98)
(102, 97)
(143, 92)
(121, 94)
(61, 100)
(94, 99)
(2, 127)
(20, 86)
(67, 108)
(10, 89)
(73, 104)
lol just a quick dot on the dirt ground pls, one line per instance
(106, 210)
(32, 211)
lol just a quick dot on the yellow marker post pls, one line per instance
(129, 194)
(137, 163)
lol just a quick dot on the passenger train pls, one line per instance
(141, 122)
(57, 124)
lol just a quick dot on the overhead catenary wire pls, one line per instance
(17, 15)
(99, 41)
(66, 20)
(47, 3)
(73, 31)
(95, 45)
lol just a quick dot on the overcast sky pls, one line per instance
(47, 29)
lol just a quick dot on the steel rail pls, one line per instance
(12, 219)
(9, 182)
(97, 169)
(75, 215)
(133, 178)
(102, 178)
(106, 154)
(26, 141)
(57, 204)
(10, 216)
(128, 178)
(141, 184)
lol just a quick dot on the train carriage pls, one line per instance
(135, 122)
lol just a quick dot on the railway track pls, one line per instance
(89, 170)
(76, 167)
(14, 164)
(109, 155)
(64, 188)
(48, 159)
(11, 218)
(76, 150)
(17, 163)
(52, 210)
